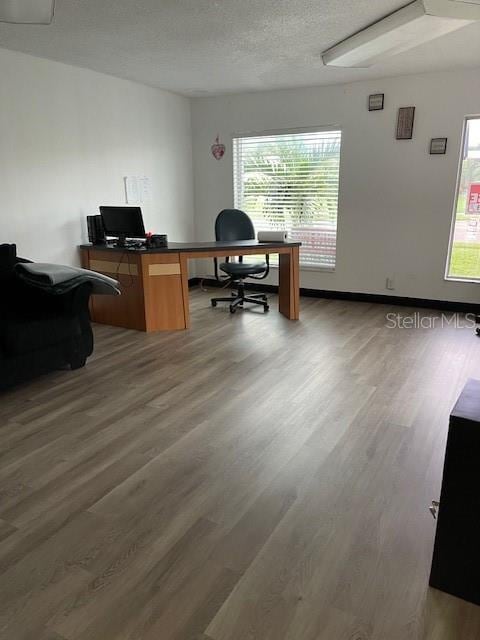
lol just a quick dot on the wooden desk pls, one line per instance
(155, 281)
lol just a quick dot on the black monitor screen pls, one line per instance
(123, 222)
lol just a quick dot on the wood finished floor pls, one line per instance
(252, 478)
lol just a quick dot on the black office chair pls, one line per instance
(233, 224)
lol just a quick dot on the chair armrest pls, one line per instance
(73, 302)
(217, 274)
(267, 270)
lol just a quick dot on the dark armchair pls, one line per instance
(233, 224)
(39, 331)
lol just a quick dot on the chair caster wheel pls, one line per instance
(232, 309)
(214, 303)
(477, 331)
(266, 308)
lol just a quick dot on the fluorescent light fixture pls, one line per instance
(27, 11)
(418, 22)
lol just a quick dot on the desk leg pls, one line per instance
(184, 276)
(289, 284)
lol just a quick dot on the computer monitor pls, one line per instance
(122, 223)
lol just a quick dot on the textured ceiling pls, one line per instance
(200, 47)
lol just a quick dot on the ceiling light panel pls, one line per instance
(27, 11)
(418, 22)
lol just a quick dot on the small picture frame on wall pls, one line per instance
(438, 146)
(376, 101)
(405, 119)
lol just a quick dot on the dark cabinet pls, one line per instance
(456, 556)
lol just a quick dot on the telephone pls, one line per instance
(156, 241)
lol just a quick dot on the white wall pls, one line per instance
(395, 199)
(68, 136)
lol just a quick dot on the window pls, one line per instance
(290, 182)
(464, 253)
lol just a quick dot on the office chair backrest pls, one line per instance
(233, 224)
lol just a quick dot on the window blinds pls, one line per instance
(290, 181)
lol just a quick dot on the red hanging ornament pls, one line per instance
(218, 149)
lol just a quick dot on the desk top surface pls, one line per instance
(188, 247)
(468, 403)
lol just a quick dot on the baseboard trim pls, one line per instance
(374, 298)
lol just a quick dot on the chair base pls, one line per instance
(238, 298)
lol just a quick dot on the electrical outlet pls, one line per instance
(389, 284)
